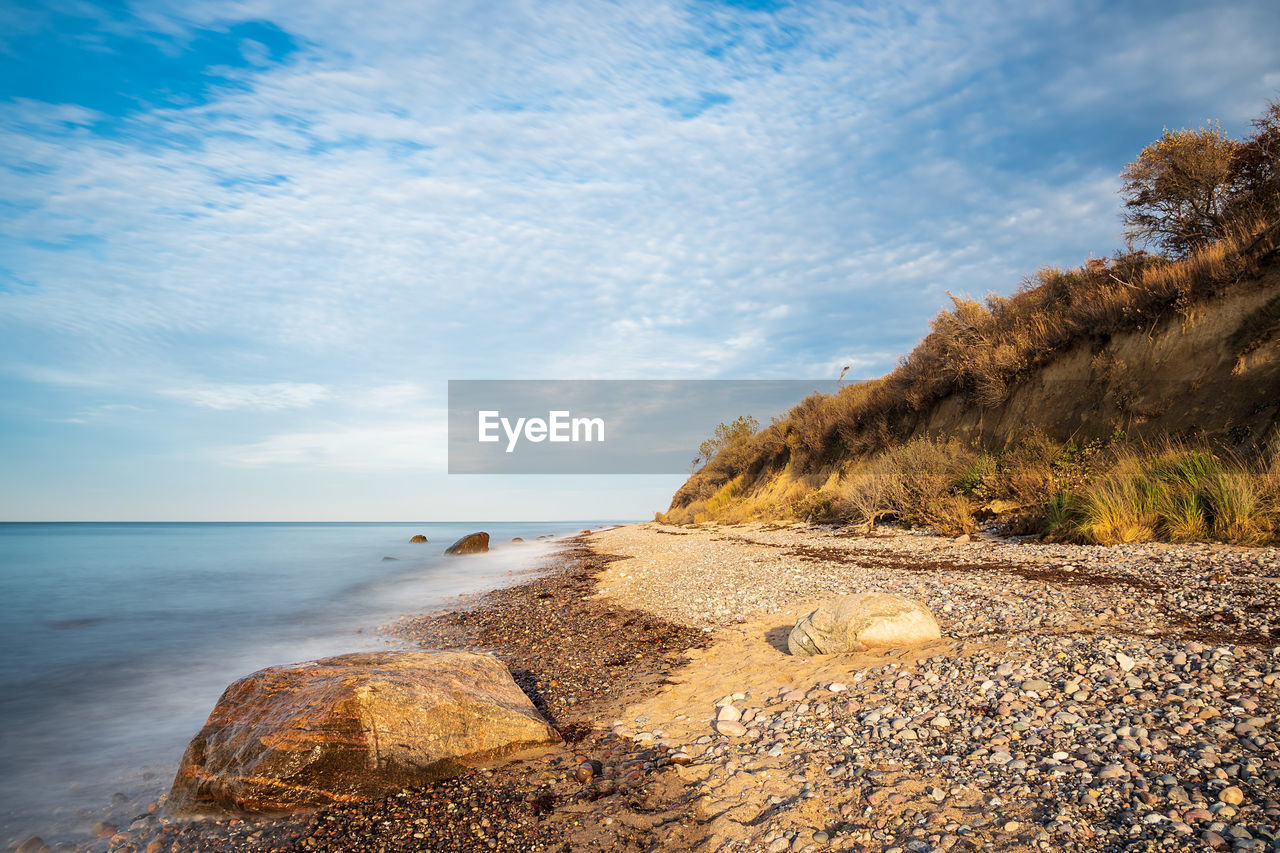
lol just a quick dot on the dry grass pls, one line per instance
(1118, 509)
(980, 349)
(1102, 493)
(1176, 492)
(914, 483)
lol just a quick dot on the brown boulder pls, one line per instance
(352, 727)
(472, 543)
(418, 538)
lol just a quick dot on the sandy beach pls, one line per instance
(1080, 698)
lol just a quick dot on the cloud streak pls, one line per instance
(270, 397)
(344, 448)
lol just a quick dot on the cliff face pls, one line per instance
(1208, 370)
(1213, 372)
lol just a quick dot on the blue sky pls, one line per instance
(245, 244)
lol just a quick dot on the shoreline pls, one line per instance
(1068, 706)
(108, 775)
(574, 656)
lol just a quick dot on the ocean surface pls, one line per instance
(118, 638)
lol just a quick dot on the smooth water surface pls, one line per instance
(119, 638)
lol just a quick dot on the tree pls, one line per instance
(1176, 192)
(724, 435)
(1255, 171)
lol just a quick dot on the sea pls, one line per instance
(118, 638)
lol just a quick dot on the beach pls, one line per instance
(1079, 698)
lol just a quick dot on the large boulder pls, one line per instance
(418, 539)
(351, 727)
(472, 543)
(860, 621)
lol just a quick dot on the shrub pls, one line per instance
(951, 515)
(1063, 515)
(1237, 513)
(1175, 492)
(917, 483)
(725, 435)
(1118, 509)
(980, 479)
(1176, 192)
(818, 506)
(864, 496)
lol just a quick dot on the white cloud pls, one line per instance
(264, 398)
(590, 194)
(97, 414)
(49, 375)
(345, 448)
(399, 395)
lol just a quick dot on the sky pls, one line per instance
(244, 245)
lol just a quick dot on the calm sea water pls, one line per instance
(119, 638)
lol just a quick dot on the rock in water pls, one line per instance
(472, 543)
(418, 538)
(34, 844)
(351, 727)
(860, 621)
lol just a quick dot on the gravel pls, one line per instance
(1118, 698)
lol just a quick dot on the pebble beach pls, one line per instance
(1079, 698)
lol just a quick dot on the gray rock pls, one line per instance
(860, 621)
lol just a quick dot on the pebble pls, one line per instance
(1231, 795)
